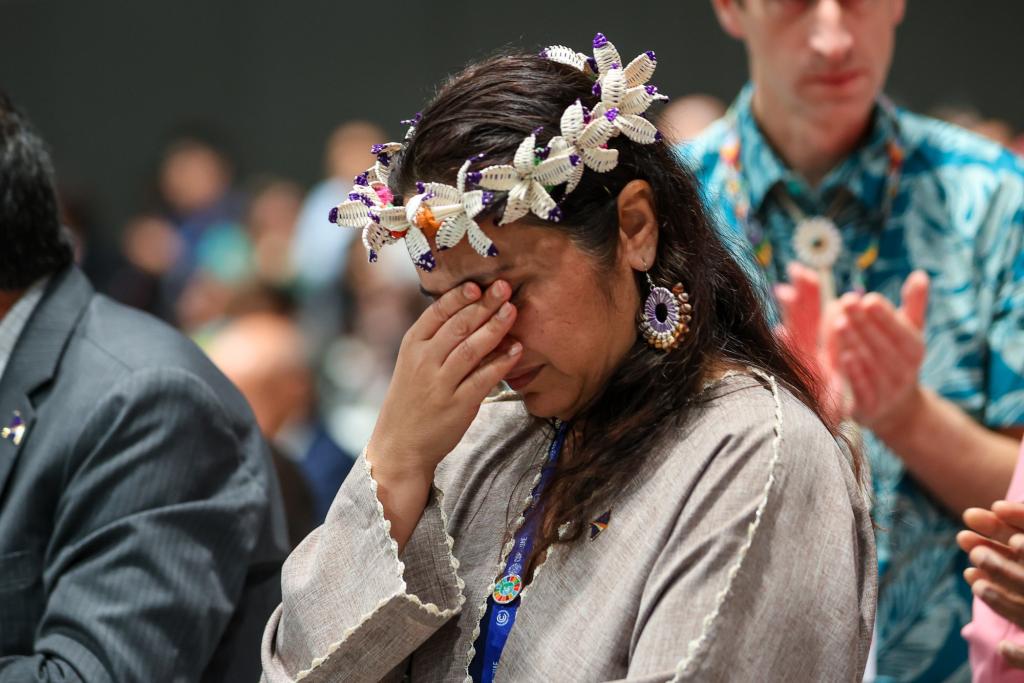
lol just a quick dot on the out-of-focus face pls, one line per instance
(576, 324)
(819, 59)
(193, 177)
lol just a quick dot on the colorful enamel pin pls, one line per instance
(600, 524)
(15, 430)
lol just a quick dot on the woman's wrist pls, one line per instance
(389, 468)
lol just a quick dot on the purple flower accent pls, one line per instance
(362, 179)
(542, 153)
(420, 187)
(555, 214)
(661, 310)
(574, 159)
(377, 149)
(615, 65)
(537, 130)
(333, 215)
(414, 121)
(600, 41)
(426, 262)
(373, 217)
(355, 196)
(658, 136)
(474, 177)
(596, 90)
(612, 114)
(384, 159)
(486, 198)
(592, 63)
(651, 89)
(373, 256)
(586, 116)
(492, 251)
(543, 54)
(650, 55)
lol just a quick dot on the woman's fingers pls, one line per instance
(1010, 513)
(487, 375)
(972, 575)
(968, 541)
(1005, 572)
(465, 322)
(442, 310)
(469, 353)
(989, 525)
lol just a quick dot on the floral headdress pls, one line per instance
(448, 212)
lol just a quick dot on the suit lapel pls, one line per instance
(34, 362)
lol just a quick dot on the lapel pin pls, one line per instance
(15, 430)
(600, 524)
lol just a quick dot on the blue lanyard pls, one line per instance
(504, 601)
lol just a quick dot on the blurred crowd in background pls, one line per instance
(285, 302)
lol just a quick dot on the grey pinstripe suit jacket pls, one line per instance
(141, 531)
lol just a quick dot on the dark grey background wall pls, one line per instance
(105, 80)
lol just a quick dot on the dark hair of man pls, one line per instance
(488, 109)
(32, 244)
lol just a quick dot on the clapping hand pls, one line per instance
(805, 327)
(860, 341)
(879, 349)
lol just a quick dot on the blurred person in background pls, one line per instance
(381, 301)
(996, 130)
(919, 226)
(270, 222)
(150, 247)
(241, 260)
(684, 118)
(318, 250)
(141, 528)
(196, 190)
(265, 355)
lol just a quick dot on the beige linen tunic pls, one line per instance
(743, 551)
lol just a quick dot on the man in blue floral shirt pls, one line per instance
(894, 245)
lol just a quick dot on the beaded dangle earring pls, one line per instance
(665, 316)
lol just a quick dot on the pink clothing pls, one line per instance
(987, 629)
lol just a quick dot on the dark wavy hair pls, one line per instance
(489, 108)
(33, 243)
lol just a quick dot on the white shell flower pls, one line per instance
(817, 242)
(527, 180)
(585, 137)
(568, 56)
(369, 208)
(624, 92)
(385, 152)
(451, 212)
(625, 95)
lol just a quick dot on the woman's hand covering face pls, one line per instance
(449, 361)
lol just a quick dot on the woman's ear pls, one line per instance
(638, 225)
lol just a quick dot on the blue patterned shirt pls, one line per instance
(958, 214)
